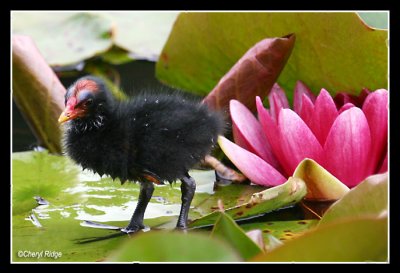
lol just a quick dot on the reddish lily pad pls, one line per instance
(253, 75)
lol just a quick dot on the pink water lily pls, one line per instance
(346, 135)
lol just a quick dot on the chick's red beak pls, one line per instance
(70, 112)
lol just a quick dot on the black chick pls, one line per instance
(151, 138)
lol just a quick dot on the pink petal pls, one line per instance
(346, 107)
(376, 111)
(297, 140)
(384, 166)
(299, 90)
(307, 110)
(239, 139)
(271, 131)
(252, 166)
(347, 147)
(325, 113)
(277, 101)
(248, 133)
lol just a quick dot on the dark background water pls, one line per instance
(134, 76)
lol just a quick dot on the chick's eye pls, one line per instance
(88, 102)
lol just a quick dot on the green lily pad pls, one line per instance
(352, 240)
(40, 174)
(336, 51)
(369, 198)
(226, 228)
(321, 185)
(262, 202)
(174, 247)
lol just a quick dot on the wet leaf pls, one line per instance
(34, 83)
(254, 73)
(34, 175)
(321, 185)
(74, 196)
(226, 229)
(369, 198)
(353, 240)
(334, 50)
(174, 247)
(262, 202)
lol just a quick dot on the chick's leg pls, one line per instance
(188, 188)
(146, 191)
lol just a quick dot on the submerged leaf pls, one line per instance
(321, 185)
(277, 232)
(262, 202)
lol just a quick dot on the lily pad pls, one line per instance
(69, 38)
(226, 228)
(40, 174)
(174, 247)
(334, 50)
(66, 38)
(369, 198)
(262, 202)
(143, 34)
(353, 240)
